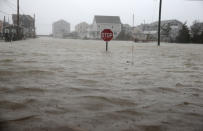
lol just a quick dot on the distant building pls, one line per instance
(104, 22)
(126, 28)
(1, 26)
(60, 29)
(28, 24)
(1, 29)
(82, 29)
(72, 35)
(149, 32)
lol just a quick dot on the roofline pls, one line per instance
(107, 16)
(60, 20)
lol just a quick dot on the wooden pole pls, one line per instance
(4, 24)
(18, 19)
(34, 27)
(159, 26)
(133, 20)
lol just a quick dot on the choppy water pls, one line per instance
(74, 85)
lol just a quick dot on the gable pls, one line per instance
(107, 19)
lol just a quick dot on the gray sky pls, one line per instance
(76, 11)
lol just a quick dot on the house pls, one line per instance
(60, 29)
(72, 35)
(27, 22)
(10, 32)
(82, 29)
(104, 22)
(149, 32)
(126, 28)
(1, 26)
(1, 29)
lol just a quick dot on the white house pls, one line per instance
(104, 22)
(82, 29)
(60, 28)
(149, 32)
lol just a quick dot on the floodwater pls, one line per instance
(75, 85)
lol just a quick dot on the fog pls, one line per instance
(76, 11)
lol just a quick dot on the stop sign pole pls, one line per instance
(107, 35)
(106, 45)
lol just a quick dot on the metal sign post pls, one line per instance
(107, 35)
(106, 45)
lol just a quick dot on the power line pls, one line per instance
(12, 3)
(15, 6)
(4, 12)
(11, 7)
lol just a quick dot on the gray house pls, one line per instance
(60, 29)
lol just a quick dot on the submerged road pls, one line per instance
(75, 85)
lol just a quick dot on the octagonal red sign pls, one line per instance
(107, 35)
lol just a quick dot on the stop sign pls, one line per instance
(107, 35)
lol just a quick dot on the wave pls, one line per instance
(6, 60)
(149, 128)
(19, 119)
(11, 105)
(87, 81)
(6, 73)
(28, 72)
(189, 103)
(165, 90)
(182, 85)
(29, 61)
(179, 71)
(130, 112)
(116, 101)
(26, 90)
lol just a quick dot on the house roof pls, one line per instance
(27, 17)
(107, 19)
(61, 21)
(167, 22)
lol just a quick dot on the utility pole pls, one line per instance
(34, 27)
(133, 20)
(18, 20)
(159, 26)
(4, 24)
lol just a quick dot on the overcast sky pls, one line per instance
(76, 11)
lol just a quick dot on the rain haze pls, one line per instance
(76, 11)
(101, 65)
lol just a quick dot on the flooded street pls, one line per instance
(74, 85)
